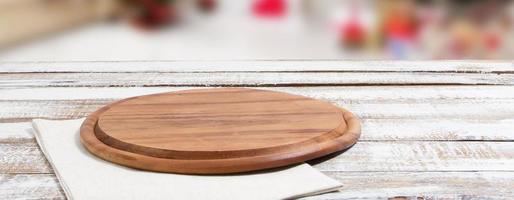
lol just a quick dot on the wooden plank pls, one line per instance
(424, 156)
(345, 94)
(30, 186)
(22, 158)
(425, 185)
(376, 130)
(356, 185)
(470, 111)
(20, 152)
(469, 66)
(63, 109)
(380, 122)
(441, 113)
(437, 129)
(16, 132)
(26, 157)
(246, 79)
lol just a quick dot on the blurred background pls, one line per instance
(85, 30)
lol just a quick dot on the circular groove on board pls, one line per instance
(213, 131)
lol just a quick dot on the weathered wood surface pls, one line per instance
(438, 129)
(260, 66)
(357, 185)
(30, 186)
(247, 79)
(493, 110)
(424, 185)
(387, 112)
(20, 154)
(26, 157)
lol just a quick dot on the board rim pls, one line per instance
(347, 134)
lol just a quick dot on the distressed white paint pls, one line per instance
(26, 157)
(430, 185)
(437, 129)
(375, 129)
(409, 145)
(255, 65)
(389, 113)
(361, 185)
(369, 94)
(248, 79)
(30, 186)
(16, 131)
(424, 156)
(464, 110)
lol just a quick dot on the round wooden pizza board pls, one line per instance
(217, 131)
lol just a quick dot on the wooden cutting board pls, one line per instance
(217, 131)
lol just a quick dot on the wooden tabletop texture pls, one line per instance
(430, 130)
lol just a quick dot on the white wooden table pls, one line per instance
(430, 129)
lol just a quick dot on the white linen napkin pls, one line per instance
(84, 176)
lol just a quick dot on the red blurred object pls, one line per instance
(353, 33)
(492, 41)
(206, 5)
(270, 8)
(155, 13)
(400, 25)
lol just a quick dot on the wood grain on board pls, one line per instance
(217, 131)
(433, 129)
